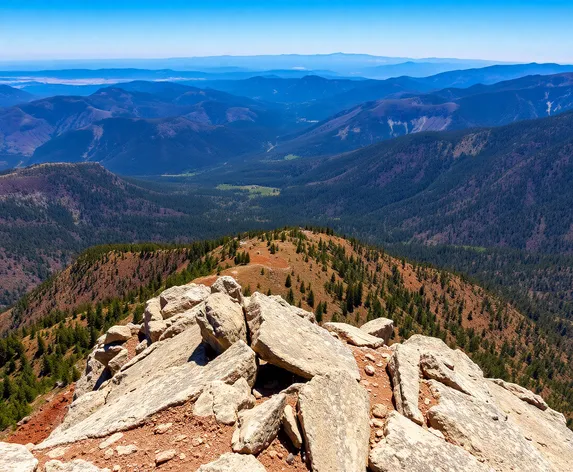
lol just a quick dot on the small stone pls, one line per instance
(179, 438)
(379, 433)
(108, 454)
(182, 456)
(426, 401)
(377, 423)
(116, 468)
(258, 395)
(369, 370)
(290, 459)
(126, 450)
(197, 442)
(165, 456)
(370, 357)
(272, 454)
(379, 411)
(162, 428)
(109, 441)
(57, 452)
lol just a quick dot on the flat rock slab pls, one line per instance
(334, 413)
(77, 465)
(16, 458)
(353, 335)
(546, 429)
(293, 343)
(169, 387)
(407, 447)
(484, 430)
(233, 463)
(404, 369)
(523, 394)
(259, 426)
(182, 298)
(380, 327)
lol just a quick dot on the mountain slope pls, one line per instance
(506, 186)
(10, 96)
(336, 278)
(50, 212)
(26, 127)
(448, 109)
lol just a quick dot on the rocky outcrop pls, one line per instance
(16, 458)
(464, 422)
(233, 463)
(380, 327)
(222, 322)
(404, 369)
(77, 465)
(408, 447)
(167, 388)
(353, 335)
(224, 401)
(334, 412)
(293, 343)
(259, 426)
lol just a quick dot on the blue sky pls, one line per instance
(505, 30)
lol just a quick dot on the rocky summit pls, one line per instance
(217, 381)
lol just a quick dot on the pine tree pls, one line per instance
(288, 282)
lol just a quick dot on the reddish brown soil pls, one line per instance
(45, 419)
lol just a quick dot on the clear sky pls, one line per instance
(504, 30)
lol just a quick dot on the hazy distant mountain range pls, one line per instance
(157, 127)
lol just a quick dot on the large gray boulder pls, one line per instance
(293, 343)
(404, 369)
(176, 300)
(434, 367)
(16, 458)
(229, 286)
(353, 335)
(117, 333)
(259, 426)
(77, 465)
(222, 322)
(545, 429)
(408, 447)
(167, 387)
(334, 413)
(380, 327)
(233, 463)
(484, 430)
(106, 353)
(224, 401)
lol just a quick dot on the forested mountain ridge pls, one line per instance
(10, 96)
(338, 279)
(449, 109)
(213, 125)
(51, 212)
(506, 186)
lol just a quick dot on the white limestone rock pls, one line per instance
(259, 426)
(293, 343)
(334, 413)
(379, 327)
(16, 458)
(353, 335)
(230, 462)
